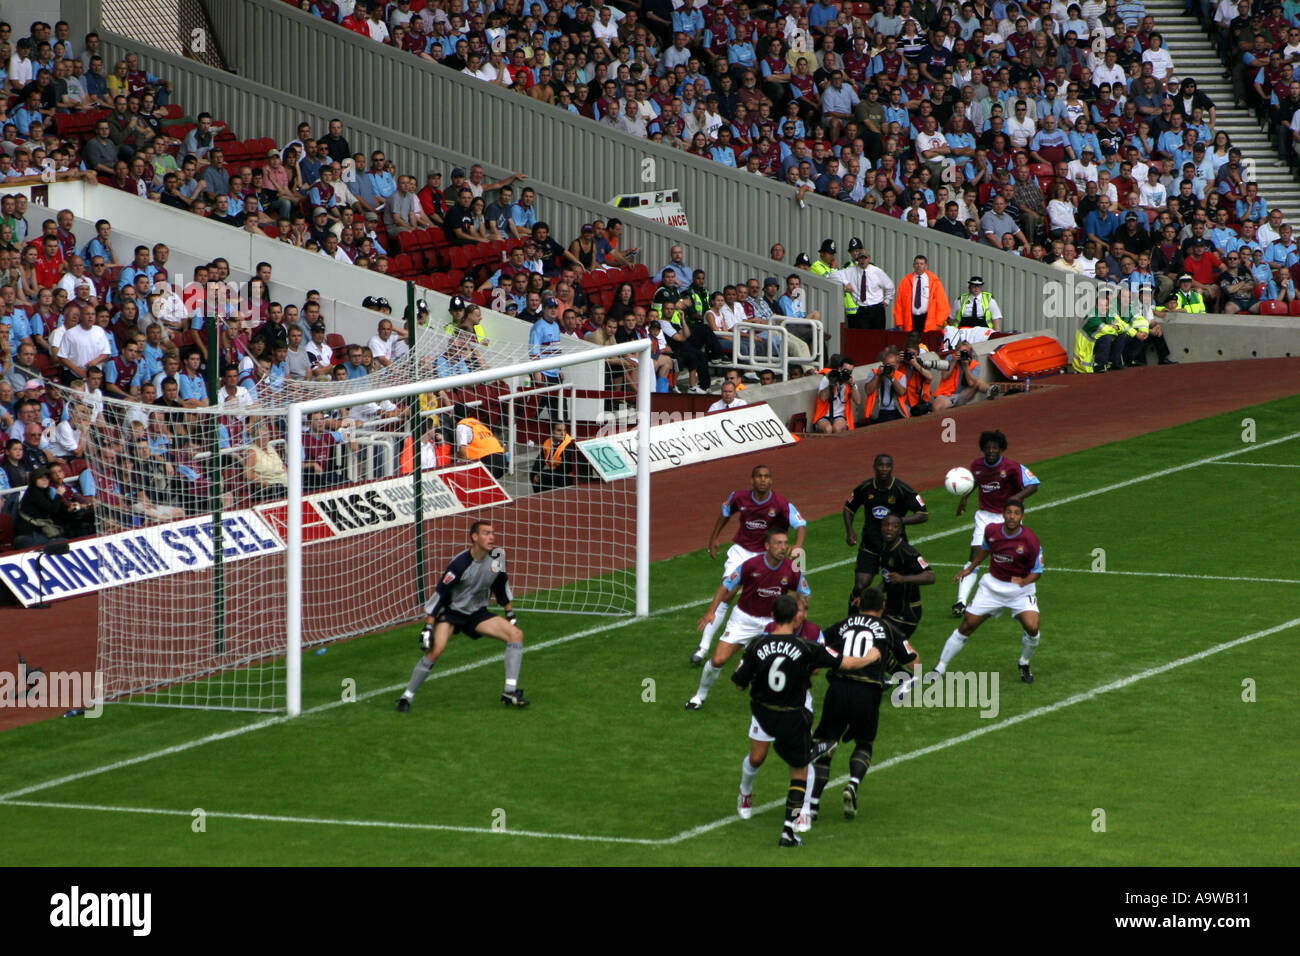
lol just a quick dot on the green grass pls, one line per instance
(1185, 770)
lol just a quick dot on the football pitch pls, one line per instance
(1160, 729)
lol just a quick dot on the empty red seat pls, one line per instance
(1274, 308)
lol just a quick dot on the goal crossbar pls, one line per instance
(298, 412)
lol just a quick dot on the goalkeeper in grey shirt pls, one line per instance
(459, 603)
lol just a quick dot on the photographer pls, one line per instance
(886, 388)
(959, 381)
(836, 394)
(920, 385)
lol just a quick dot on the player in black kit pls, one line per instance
(851, 708)
(776, 670)
(902, 571)
(880, 496)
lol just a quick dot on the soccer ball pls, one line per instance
(959, 481)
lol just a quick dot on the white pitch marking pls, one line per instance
(693, 832)
(327, 821)
(1256, 464)
(259, 725)
(1009, 722)
(1140, 574)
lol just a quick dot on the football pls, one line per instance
(959, 481)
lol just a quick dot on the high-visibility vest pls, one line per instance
(822, 409)
(1191, 302)
(919, 388)
(552, 457)
(478, 331)
(869, 405)
(951, 379)
(1085, 342)
(985, 299)
(820, 268)
(441, 450)
(484, 442)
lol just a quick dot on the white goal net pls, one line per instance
(323, 532)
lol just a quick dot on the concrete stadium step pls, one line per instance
(1194, 56)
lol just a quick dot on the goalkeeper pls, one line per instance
(459, 603)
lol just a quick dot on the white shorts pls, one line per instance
(736, 556)
(993, 597)
(756, 732)
(743, 628)
(982, 520)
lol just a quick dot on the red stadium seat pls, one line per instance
(1274, 308)
(1295, 308)
(335, 341)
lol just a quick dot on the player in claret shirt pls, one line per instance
(1017, 562)
(999, 480)
(759, 509)
(760, 581)
(775, 670)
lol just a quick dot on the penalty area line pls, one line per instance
(274, 721)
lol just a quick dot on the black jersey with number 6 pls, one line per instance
(776, 669)
(856, 635)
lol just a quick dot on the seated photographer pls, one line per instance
(959, 379)
(556, 465)
(885, 388)
(836, 395)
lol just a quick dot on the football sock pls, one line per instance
(418, 677)
(1028, 645)
(794, 801)
(859, 763)
(966, 586)
(823, 764)
(808, 789)
(514, 654)
(706, 639)
(951, 648)
(707, 678)
(747, 774)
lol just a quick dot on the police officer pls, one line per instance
(1097, 340)
(976, 308)
(1185, 298)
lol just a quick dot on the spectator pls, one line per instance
(43, 516)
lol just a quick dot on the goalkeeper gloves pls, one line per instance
(426, 638)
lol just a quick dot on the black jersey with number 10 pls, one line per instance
(776, 669)
(856, 635)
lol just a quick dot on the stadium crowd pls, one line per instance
(1035, 128)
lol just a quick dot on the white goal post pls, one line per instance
(298, 413)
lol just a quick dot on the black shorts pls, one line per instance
(850, 711)
(868, 562)
(792, 730)
(467, 624)
(905, 621)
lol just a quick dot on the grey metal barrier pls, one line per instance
(290, 51)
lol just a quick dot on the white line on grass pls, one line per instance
(717, 824)
(627, 622)
(1009, 722)
(329, 822)
(1255, 464)
(1140, 574)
